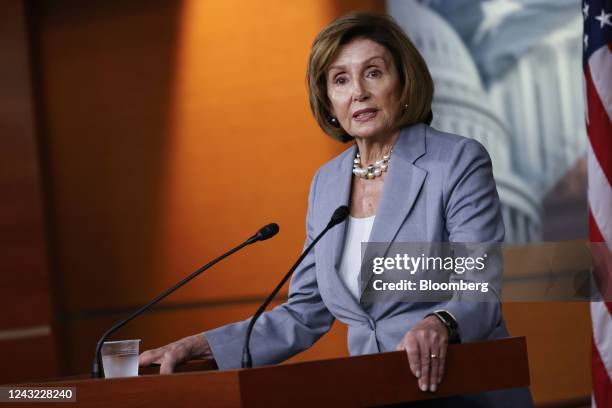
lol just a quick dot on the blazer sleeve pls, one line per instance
(288, 328)
(473, 216)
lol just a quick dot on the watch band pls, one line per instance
(449, 321)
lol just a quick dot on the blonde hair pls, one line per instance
(415, 79)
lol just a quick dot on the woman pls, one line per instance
(403, 182)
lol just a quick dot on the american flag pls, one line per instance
(597, 64)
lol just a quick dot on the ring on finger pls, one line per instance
(432, 356)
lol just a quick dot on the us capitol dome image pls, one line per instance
(529, 114)
(461, 105)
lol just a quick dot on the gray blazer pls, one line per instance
(439, 188)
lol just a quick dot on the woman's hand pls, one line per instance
(179, 352)
(427, 339)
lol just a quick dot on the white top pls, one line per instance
(357, 231)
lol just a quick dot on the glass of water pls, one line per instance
(120, 358)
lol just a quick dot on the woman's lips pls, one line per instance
(364, 115)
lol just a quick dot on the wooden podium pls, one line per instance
(370, 380)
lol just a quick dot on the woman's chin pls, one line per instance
(371, 134)
(374, 129)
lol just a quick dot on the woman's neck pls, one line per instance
(372, 149)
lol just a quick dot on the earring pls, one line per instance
(405, 106)
(334, 121)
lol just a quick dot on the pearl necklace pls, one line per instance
(373, 170)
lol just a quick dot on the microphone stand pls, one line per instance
(266, 232)
(339, 215)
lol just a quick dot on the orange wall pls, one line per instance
(558, 344)
(244, 146)
(27, 347)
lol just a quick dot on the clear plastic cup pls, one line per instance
(120, 358)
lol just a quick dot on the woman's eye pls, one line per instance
(374, 73)
(340, 81)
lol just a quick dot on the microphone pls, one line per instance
(337, 217)
(264, 233)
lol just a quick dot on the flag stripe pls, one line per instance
(600, 64)
(594, 234)
(606, 281)
(600, 377)
(599, 197)
(599, 128)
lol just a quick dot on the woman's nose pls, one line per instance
(360, 93)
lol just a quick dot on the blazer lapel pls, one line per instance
(403, 183)
(339, 191)
(342, 190)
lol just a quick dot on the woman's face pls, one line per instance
(363, 88)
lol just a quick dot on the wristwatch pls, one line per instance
(449, 321)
